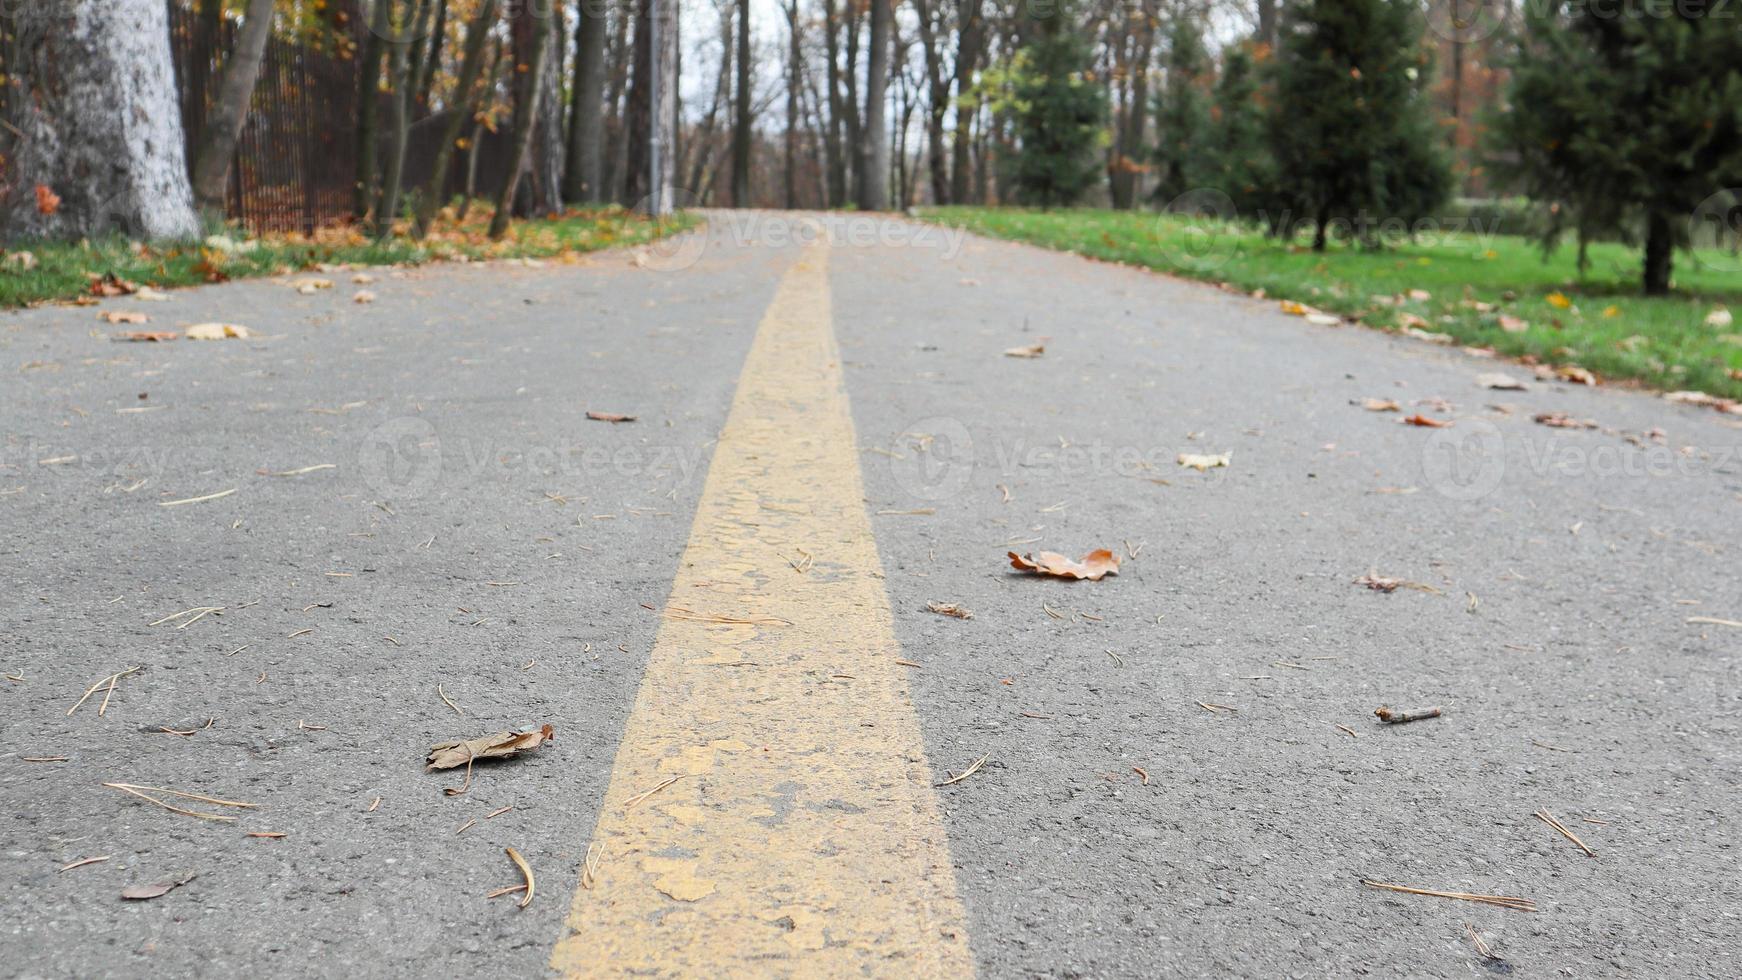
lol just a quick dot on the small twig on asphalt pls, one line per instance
(111, 681)
(525, 871)
(508, 890)
(1504, 901)
(448, 701)
(1715, 621)
(196, 500)
(1141, 774)
(1549, 819)
(198, 613)
(966, 772)
(1398, 716)
(632, 801)
(590, 869)
(471, 757)
(1482, 948)
(1345, 729)
(1212, 707)
(465, 826)
(82, 863)
(133, 790)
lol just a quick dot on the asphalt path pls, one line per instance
(1182, 774)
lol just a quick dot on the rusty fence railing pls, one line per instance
(295, 167)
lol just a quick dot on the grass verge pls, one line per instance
(56, 272)
(1467, 286)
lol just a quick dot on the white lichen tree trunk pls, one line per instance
(100, 125)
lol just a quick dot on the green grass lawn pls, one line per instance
(59, 271)
(1598, 321)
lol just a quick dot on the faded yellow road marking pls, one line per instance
(800, 836)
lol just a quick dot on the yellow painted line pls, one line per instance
(770, 811)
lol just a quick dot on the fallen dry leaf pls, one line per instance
(1380, 405)
(1324, 319)
(310, 285)
(1575, 374)
(502, 745)
(1091, 566)
(47, 201)
(362, 279)
(1429, 336)
(217, 331)
(21, 260)
(150, 295)
(1424, 421)
(146, 336)
(109, 284)
(1719, 319)
(1561, 420)
(1382, 583)
(610, 417)
(140, 893)
(1033, 350)
(1420, 295)
(123, 316)
(949, 609)
(1204, 461)
(1502, 382)
(1708, 401)
(1512, 324)
(363, 296)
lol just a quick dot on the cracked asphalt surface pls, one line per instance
(474, 536)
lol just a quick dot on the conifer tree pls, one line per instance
(1061, 114)
(1182, 114)
(1627, 116)
(1351, 127)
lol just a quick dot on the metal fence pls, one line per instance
(295, 166)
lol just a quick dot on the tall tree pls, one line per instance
(465, 106)
(1126, 169)
(529, 80)
(549, 143)
(833, 135)
(217, 147)
(794, 89)
(1237, 151)
(1634, 118)
(638, 113)
(970, 48)
(1182, 113)
(741, 113)
(931, 29)
(410, 27)
(1351, 127)
(98, 126)
(873, 172)
(1059, 113)
(584, 174)
(369, 105)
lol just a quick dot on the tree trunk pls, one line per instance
(1267, 21)
(969, 39)
(582, 179)
(223, 127)
(937, 102)
(429, 61)
(477, 137)
(874, 175)
(463, 109)
(616, 143)
(413, 27)
(850, 104)
(741, 113)
(525, 121)
(1659, 254)
(548, 143)
(1127, 178)
(369, 105)
(638, 114)
(101, 126)
(794, 88)
(832, 135)
(664, 110)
